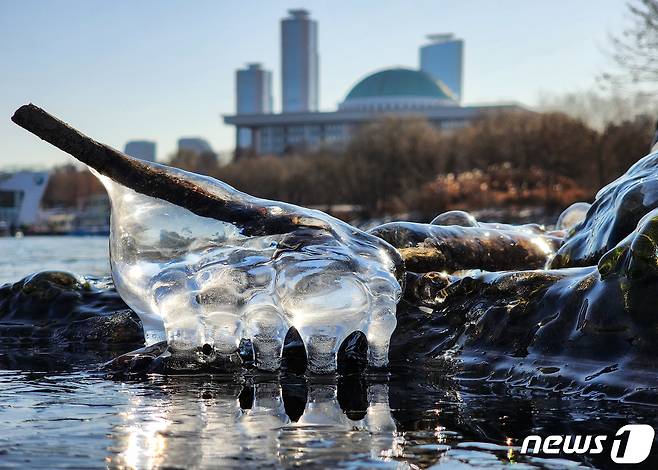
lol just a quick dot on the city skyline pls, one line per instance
(163, 81)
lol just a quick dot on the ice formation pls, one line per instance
(204, 284)
(572, 215)
(205, 266)
(461, 218)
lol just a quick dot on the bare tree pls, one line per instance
(634, 51)
(600, 108)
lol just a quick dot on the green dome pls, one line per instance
(398, 82)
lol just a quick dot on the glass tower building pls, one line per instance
(443, 59)
(299, 62)
(254, 96)
(254, 90)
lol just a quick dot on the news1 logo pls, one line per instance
(631, 444)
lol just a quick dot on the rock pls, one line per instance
(427, 288)
(60, 307)
(615, 213)
(588, 325)
(426, 248)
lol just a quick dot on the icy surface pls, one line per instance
(461, 218)
(203, 285)
(572, 215)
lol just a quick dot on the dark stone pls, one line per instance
(595, 326)
(426, 248)
(60, 307)
(615, 213)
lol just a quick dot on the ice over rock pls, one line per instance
(205, 266)
(203, 284)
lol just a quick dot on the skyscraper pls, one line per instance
(299, 62)
(443, 59)
(142, 149)
(254, 90)
(254, 96)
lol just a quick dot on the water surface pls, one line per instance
(56, 412)
(83, 255)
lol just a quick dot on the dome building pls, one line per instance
(397, 89)
(390, 92)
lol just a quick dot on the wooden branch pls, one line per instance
(157, 180)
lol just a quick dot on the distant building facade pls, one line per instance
(194, 144)
(299, 63)
(20, 197)
(142, 149)
(396, 91)
(443, 59)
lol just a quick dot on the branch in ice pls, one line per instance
(155, 181)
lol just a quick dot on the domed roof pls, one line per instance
(399, 82)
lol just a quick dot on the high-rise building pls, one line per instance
(443, 59)
(299, 62)
(194, 144)
(254, 90)
(254, 96)
(142, 149)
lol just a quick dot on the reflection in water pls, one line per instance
(82, 420)
(145, 444)
(196, 424)
(192, 423)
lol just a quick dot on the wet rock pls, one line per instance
(615, 213)
(426, 248)
(60, 307)
(591, 325)
(141, 361)
(427, 288)
(157, 358)
(465, 219)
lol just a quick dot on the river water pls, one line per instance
(22, 256)
(57, 412)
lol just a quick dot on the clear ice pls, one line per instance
(202, 284)
(572, 215)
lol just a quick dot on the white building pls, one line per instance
(20, 197)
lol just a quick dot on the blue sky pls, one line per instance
(126, 69)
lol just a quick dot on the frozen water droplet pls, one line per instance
(572, 215)
(461, 218)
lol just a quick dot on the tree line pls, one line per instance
(395, 165)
